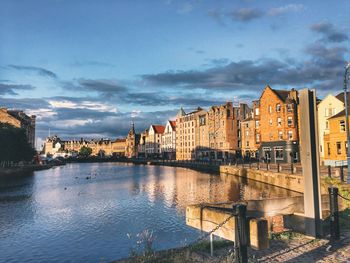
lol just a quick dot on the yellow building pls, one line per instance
(328, 107)
(132, 142)
(20, 120)
(335, 142)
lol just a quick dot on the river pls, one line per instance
(93, 212)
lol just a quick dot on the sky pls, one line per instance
(90, 68)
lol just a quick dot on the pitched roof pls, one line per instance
(158, 128)
(340, 97)
(339, 114)
(173, 124)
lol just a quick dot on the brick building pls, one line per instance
(278, 125)
(19, 119)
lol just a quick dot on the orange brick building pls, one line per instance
(278, 125)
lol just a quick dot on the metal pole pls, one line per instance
(334, 216)
(347, 118)
(241, 241)
(211, 245)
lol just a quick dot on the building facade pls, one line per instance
(20, 120)
(168, 145)
(278, 125)
(131, 143)
(222, 128)
(328, 107)
(241, 112)
(141, 148)
(154, 141)
(53, 146)
(335, 141)
(192, 135)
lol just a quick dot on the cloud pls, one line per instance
(38, 70)
(185, 8)
(276, 11)
(91, 63)
(329, 32)
(245, 14)
(10, 89)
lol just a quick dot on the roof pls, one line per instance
(120, 140)
(250, 118)
(340, 96)
(158, 128)
(282, 94)
(339, 114)
(173, 124)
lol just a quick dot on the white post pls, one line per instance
(211, 245)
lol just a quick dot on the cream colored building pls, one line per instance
(154, 140)
(168, 146)
(328, 107)
(192, 135)
(142, 145)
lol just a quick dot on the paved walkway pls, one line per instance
(302, 249)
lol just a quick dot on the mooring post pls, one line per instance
(211, 245)
(241, 240)
(329, 171)
(342, 173)
(292, 168)
(334, 213)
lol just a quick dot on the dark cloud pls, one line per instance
(10, 89)
(329, 32)
(245, 14)
(321, 63)
(40, 71)
(24, 103)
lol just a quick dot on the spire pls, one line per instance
(132, 130)
(181, 112)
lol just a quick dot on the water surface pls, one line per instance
(85, 212)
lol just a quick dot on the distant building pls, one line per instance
(278, 125)
(241, 112)
(132, 142)
(192, 135)
(141, 148)
(53, 145)
(222, 129)
(335, 141)
(168, 145)
(154, 140)
(20, 120)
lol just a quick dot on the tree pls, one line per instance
(85, 151)
(14, 145)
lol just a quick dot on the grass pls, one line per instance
(205, 246)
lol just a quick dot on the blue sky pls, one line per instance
(87, 68)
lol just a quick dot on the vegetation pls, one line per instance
(14, 146)
(85, 151)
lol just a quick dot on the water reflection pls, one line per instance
(83, 212)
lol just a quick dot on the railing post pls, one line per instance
(342, 173)
(329, 171)
(241, 240)
(292, 168)
(334, 213)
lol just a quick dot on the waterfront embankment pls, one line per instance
(20, 169)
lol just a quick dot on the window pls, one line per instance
(257, 137)
(328, 149)
(290, 135)
(327, 125)
(221, 144)
(270, 122)
(257, 124)
(346, 147)
(290, 121)
(279, 153)
(279, 122)
(338, 148)
(257, 111)
(228, 113)
(280, 135)
(278, 107)
(247, 133)
(342, 125)
(247, 144)
(202, 120)
(290, 107)
(247, 125)
(270, 109)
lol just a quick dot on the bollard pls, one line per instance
(278, 167)
(334, 213)
(241, 233)
(342, 173)
(292, 168)
(329, 171)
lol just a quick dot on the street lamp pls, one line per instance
(347, 67)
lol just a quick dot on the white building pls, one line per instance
(168, 145)
(154, 140)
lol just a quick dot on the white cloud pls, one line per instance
(285, 9)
